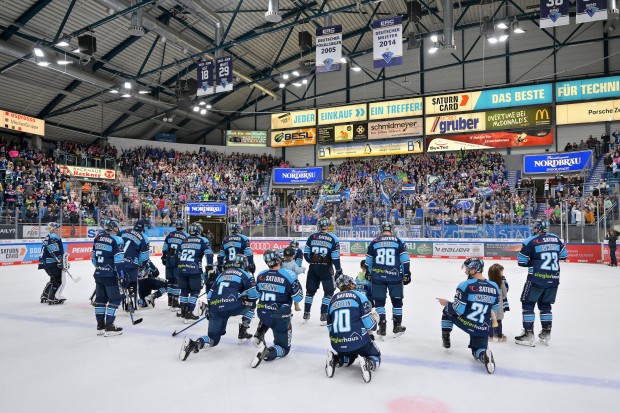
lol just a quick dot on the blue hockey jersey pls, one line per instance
(323, 248)
(542, 254)
(349, 318)
(107, 255)
(136, 244)
(228, 290)
(52, 251)
(233, 245)
(472, 305)
(277, 289)
(172, 246)
(193, 250)
(387, 259)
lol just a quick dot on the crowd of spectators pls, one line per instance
(33, 188)
(167, 179)
(79, 154)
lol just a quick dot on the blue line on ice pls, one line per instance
(403, 361)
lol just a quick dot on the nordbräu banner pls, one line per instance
(554, 13)
(387, 42)
(557, 162)
(297, 176)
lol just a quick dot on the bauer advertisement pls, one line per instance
(490, 140)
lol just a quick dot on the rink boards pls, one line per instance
(17, 252)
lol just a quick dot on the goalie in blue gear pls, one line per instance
(350, 323)
(107, 257)
(471, 309)
(278, 288)
(541, 254)
(322, 252)
(233, 293)
(51, 260)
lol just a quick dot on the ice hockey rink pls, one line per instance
(53, 361)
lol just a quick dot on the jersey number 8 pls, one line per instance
(386, 256)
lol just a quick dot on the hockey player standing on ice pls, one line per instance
(389, 268)
(51, 260)
(278, 288)
(471, 311)
(541, 253)
(349, 321)
(170, 259)
(322, 250)
(107, 257)
(235, 244)
(233, 293)
(136, 254)
(299, 254)
(193, 250)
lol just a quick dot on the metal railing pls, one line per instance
(71, 159)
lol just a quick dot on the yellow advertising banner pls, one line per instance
(295, 119)
(342, 114)
(22, 123)
(295, 137)
(395, 109)
(371, 148)
(83, 172)
(601, 111)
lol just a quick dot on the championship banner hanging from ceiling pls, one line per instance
(387, 42)
(554, 13)
(328, 48)
(224, 69)
(591, 10)
(204, 79)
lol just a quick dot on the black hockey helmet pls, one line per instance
(474, 263)
(323, 224)
(386, 226)
(289, 252)
(240, 261)
(140, 225)
(179, 224)
(110, 225)
(234, 228)
(363, 264)
(343, 281)
(294, 244)
(195, 229)
(540, 227)
(272, 258)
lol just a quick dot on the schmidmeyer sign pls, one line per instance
(287, 176)
(207, 208)
(560, 162)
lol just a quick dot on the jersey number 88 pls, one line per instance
(386, 256)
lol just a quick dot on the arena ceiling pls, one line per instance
(75, 99)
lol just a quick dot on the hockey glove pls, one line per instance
(406, 278)
(59, 265)
(252, 268)
(368, 276)
(316, 259)
(163, 260)
(122, 279)
(338, 272)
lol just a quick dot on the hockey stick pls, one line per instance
(175, 333)
(129, 305)
(65, 266)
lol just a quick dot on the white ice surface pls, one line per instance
(53, 361)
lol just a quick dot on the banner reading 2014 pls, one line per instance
(554, 13)
(328, 48)
(387, 42)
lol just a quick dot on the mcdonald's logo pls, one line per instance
(543, 114)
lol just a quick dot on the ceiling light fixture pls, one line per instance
(203, 111)
(38, 52)
(126, 95)
(196, 109)
(305, 81)
(356, 68)
(115, 91)
(282, 85)
(503, 36)
(76, 50)
(127, 85)
(64, 42)
(202, 103)
(295, 73)
(343, 59)
(502, 25)
(434, 48)
(64, 62)
(296, 84)
(143, 92)
(43, 63)
(516, 28)
(209, 106)
(285, 76)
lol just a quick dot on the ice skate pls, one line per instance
(545, 336)
(189, 346)
(382, 329)
(399, 329)
(100, 328)
(445, 339)
(323, 319)
(366, 367)
(488, 361)
(111, 330)
(306, 317)
(190, 317)
(243, 333)
(56, 301)
(259, 335)
(260, 354)
(526, 339)
(330, 364)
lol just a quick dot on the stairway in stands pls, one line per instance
(595, 176)
(513, 177)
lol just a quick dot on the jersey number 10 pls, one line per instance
(342, 320)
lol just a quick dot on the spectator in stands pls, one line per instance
(589, 216)
(568, 147)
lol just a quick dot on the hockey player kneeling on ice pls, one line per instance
(107, 257)
(233, 293)
(193, 250)
(51, 260)
(150, 287)
(278, 288)
(471, 311)
(136, 255)
(349, 321)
